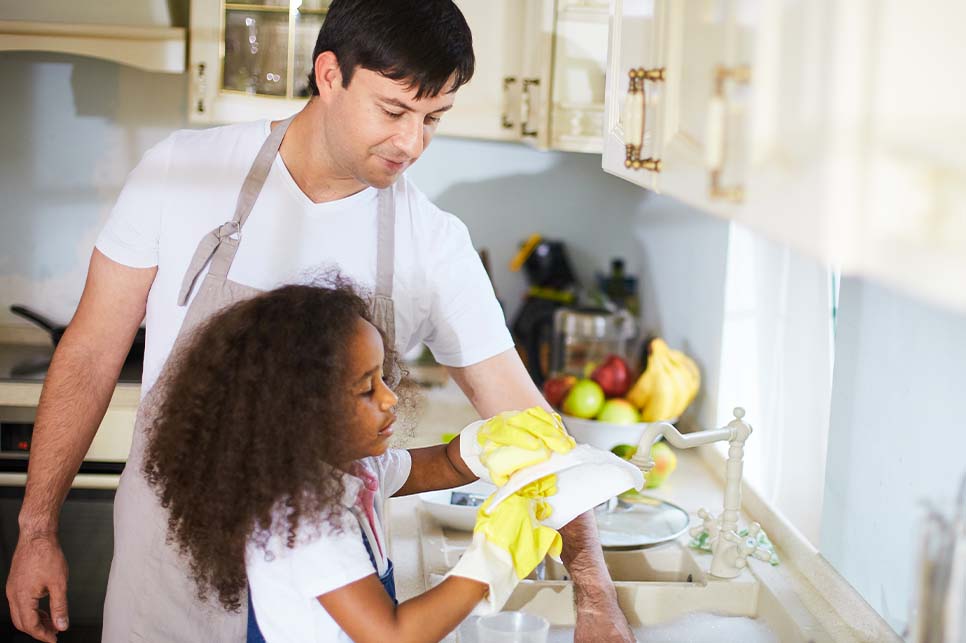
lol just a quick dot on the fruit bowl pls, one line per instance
(605, 435)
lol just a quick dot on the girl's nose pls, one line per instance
(389, 400)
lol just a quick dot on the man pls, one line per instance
(269, 202)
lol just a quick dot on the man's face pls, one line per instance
(375, 128)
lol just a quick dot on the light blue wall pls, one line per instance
(73, 129)
(897, 436)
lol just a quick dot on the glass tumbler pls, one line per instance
(512, 627)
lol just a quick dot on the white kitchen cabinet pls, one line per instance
(536, 69)
(251, 60)
(579, 57)
(148, 35)
(488, 106)
(539, 74)
(814, 123)
(694, 57)
(910, 146)
(631, 47)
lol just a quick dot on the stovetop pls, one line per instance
(28, 363)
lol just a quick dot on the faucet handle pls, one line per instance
(708, 525)
(749, 545)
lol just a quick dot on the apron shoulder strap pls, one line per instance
(386, 243)
(231, 231)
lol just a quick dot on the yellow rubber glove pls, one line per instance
(514, 527)
(514, 440)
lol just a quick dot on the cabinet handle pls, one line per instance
(635, 104)
(717, 139)
(505, 121)
(526, 107)
(201, 88)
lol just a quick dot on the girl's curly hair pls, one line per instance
(251, 415)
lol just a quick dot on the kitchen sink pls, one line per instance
(667, 587)
(670, 563)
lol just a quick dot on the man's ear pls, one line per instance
(328, 75)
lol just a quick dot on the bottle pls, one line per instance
(621, 289)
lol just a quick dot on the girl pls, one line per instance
(270, 451)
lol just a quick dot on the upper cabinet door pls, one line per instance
(701, 115)
(539, 74)
(577, 85)
(536, 73)
(252, 59)
(630, 103)
(488, 106)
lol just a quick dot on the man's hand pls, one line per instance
(599, 617)
(38, 569)
(601, 620)
(500, 383)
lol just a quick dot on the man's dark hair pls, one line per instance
(425, 42)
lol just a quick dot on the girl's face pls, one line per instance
(374, 403)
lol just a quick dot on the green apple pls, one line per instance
(618, 411)
(665, 462)
(584, 399)
(625, 451)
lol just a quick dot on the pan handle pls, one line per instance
(36, 318)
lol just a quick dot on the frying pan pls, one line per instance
(135, 355)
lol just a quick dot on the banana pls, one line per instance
(688, 375)
(668, 385)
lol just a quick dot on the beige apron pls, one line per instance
(150, 596)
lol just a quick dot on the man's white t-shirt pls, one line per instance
(285, 586)
(188, 184)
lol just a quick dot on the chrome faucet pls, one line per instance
(730, 551)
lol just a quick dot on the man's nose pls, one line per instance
(409, 139)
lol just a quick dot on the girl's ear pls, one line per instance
(328, 74)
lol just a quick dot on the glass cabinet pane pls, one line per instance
(256, 48)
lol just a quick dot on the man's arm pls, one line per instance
(77, 390)
(501, 383)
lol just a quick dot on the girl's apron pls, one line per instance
(150, 595)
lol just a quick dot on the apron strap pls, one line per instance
(228, 235)
(386, 244)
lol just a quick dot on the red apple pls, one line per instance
(584, 399)
(556, 388)
(618, 411)
(613, 375)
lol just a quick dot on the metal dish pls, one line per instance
(636, 521)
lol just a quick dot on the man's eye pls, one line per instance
(392, 115)
(432, 120)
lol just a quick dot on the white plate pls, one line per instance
(604, 435)
(586, 477)
(440, 507)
